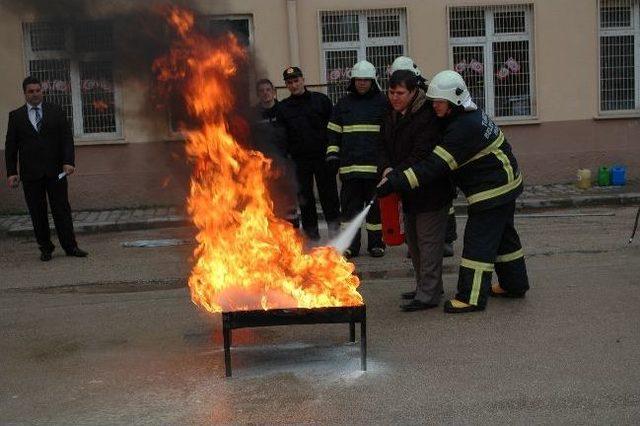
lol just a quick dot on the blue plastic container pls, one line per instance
(618, 175)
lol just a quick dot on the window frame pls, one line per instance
(634, 31)
(75, 58)
(364, 41)
(487, 41)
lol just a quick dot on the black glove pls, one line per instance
(333, 165)
(386, 188)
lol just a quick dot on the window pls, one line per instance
(75, 65)
(491, 47)
(379, 36)
(619, 47)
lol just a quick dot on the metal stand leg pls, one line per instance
(352, 332)
(226, 334)
(363, 344)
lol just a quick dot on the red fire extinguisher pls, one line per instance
(392, 224)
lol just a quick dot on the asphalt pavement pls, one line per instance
(115, 339)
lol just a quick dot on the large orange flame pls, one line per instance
(246, 258)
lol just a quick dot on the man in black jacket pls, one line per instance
(39, 146)
(409, 133)
(354, 130)
(475, 153)
(305, 115)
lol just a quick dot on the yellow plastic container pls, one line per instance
(584, 179)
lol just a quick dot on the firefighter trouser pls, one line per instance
(451, 234)
(355, 194)
(306, 171)
(491, 243)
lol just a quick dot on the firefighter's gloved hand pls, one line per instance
(333, 164)
(385, 187)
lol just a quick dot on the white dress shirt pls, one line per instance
(32, 114)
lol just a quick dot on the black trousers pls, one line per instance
(36, 193)
(491, 243)
(306, 172)
(355, 194)
(451, 234)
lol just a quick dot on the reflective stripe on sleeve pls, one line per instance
(510, 257)
(373, 226)
(361, 128)
(412, 178)
(446, 157)
(452, 210)
(333, 148)
(358, 169)
(334, 127)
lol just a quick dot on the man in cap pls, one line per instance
(354, 130)
(305, 115)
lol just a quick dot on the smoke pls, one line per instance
(342, 241)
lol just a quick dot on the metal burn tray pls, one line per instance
(274, 317)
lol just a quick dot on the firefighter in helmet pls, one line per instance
(475, 153)
(353, 132)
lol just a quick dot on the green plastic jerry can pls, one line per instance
(603, 176)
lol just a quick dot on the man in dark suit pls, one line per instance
(40, 143)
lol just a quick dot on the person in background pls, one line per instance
(38, 149)
(354, 130)
(475, 153)
(409, 134)
(269, 137)
(305, 115)
(406, 63)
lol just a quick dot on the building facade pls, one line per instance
(561, 78)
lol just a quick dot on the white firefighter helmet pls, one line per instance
(450, 85)
(364, 69)
(405, 63)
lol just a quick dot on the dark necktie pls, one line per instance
(38, 118)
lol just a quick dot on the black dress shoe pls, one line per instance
(76, 252)
(416, 305)
(409, 295)
(45, 257)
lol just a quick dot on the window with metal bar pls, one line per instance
(619, 44)
(491, 47)
(74, 64)
(377, 35)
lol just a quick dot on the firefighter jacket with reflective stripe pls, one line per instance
(305, 119)
(406, 140)
(474, 150)
(354, 130)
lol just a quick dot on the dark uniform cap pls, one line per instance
(291, 72)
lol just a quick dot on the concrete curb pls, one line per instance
(569, 202)
(98, 227)
(130, 224)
